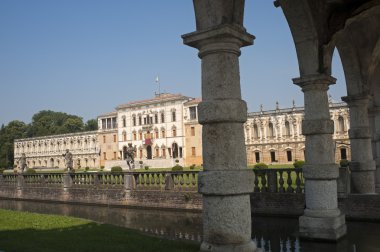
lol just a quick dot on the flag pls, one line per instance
(157, 79)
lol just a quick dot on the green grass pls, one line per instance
(22, 231)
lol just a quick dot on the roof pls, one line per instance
(193, 102)
(113, 113)
(158, 98)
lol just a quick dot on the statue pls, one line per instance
(129, 155)
(22, 162)
(68, 160)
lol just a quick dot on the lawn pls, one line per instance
(23, 231)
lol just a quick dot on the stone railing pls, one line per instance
(288, 180)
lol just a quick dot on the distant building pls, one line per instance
(275, 136)
(155, 128)
(108, 138)
(47, 151)
(193, 134)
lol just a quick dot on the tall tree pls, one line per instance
(91, 124)
(14, 130)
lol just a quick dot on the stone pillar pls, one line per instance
(20, 181)
(375, 112)
(129, 183)
(321, 219)
(225, 183)
(362, 164)
(67, 181)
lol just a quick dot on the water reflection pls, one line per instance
(271, 234)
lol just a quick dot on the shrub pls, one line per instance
(146, 167)
(1, 170)
(116, 169)
(30, 171)
(260, 166)
(298, 164)
(87, 168)
(177, 168)
(177, 161)
(344, 163)
(141, 162)
(192, 167)
(102, 167)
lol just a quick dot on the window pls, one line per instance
(343, 153)
(114, 155)
(287, 128)
(157, 136)
(270, 133)
(114, 123)
(114, 138)
(193, 113)
(163, 133)
(139, 120)
(104, 156)
(193, 152)
(124, 122)
(340, 124)
(104, 139)
(255, 131)
(173, 116)
(162, 117)
(174, 132)
(109, 123)
(163, 152)
(156, 118)
(192, 129)
(134, 121)
(257, 157)
(289, 155)
(145, 120)
(157, 152)
(140, 136)
(104, 124)
(273, 156)
(124, 136)
(134, 136)
(140, 153)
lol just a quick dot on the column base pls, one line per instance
(327, 228)
(247, 247)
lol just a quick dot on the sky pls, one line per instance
(85, 57)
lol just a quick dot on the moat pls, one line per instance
(270, 233)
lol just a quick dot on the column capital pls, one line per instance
(359, 99)
(314, 82)
(226, 37)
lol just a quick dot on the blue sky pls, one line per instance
(85, 57)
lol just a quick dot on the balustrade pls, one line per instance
(287, 180)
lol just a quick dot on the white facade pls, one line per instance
(47, 151)
(155, 128)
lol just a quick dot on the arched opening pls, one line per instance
(255, 131)
(340, 124)
(287, 128)
(149, 152)
(270, 130)
(51, 162)
(175, 150)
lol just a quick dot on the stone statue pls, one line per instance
(22, 162)
(129, 155)
(68, 160)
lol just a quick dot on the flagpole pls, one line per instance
(159, 86)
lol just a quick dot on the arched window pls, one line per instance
(255, 131)
(340, 124)
(287, 128)
(271, 132)
(124, 122)
(134, 120)
(124, 136)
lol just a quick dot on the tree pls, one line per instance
(72, 125)
(91, 124)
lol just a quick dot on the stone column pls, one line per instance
(321, 219)
(225, 183)
(362, 164)
(376, 138)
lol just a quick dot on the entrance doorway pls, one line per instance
(175, 150)
(149, 152)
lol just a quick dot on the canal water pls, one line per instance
(271, 234)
